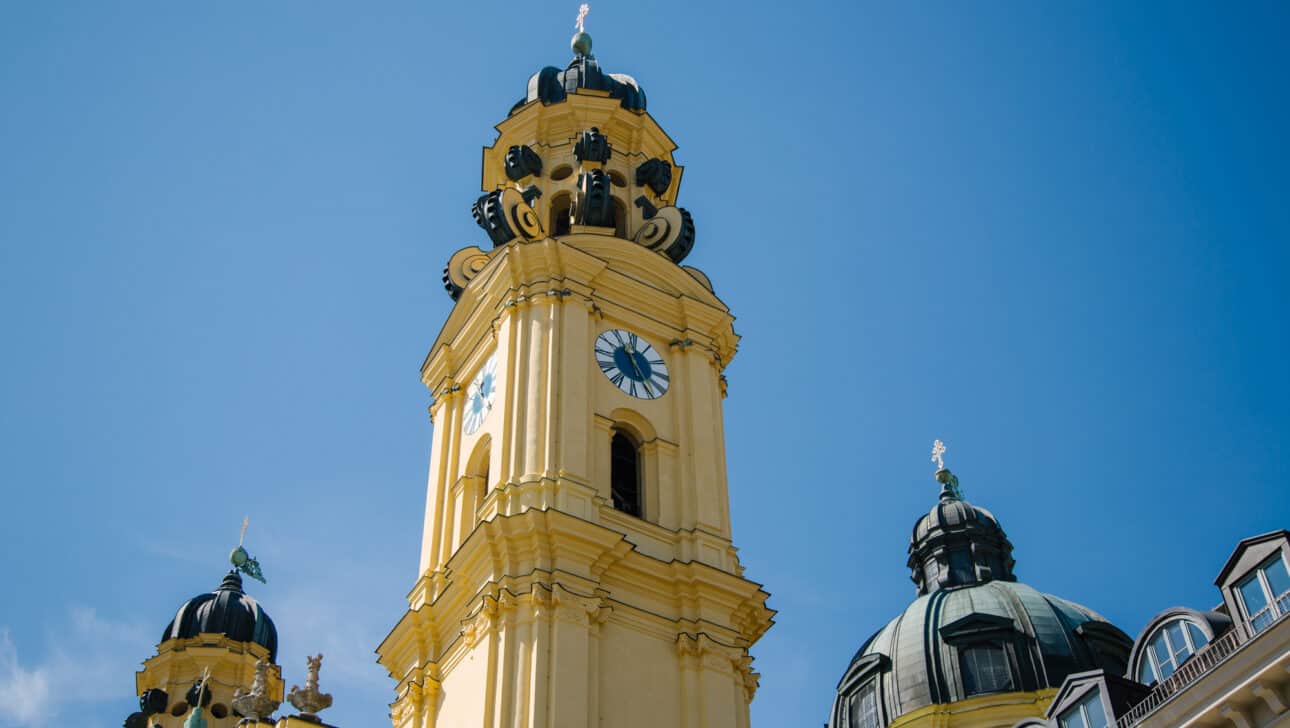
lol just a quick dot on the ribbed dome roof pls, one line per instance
(972, 630)
(916, 656)
(948, 514)
(227, 611)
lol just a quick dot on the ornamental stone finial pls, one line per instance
(255, 703)
(310, 700)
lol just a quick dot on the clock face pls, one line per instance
(632, 364)
(480, 395)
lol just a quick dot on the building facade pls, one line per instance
(976, 648)
(578, 566)
(1229, 666)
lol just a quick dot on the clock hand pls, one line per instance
(631, 356)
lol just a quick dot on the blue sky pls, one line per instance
(1053, 235)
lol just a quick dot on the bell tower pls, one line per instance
(577, 568)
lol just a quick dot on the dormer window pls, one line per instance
(1265, 593)
(862, 711)
(985, 669)
(1169, 647)
(1087, 713)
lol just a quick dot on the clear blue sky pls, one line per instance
(1054, 235)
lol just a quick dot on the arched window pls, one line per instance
(560, 205)
(1171, 645)
(620, 218)
(625, 474)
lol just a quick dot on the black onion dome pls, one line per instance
(227, 611)
(552, 85)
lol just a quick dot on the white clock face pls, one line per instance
(480, 395)
(631, 364)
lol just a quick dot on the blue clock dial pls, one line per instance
(631, 364)
(480, 396)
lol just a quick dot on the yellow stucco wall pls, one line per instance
(1002, 710)
(179, 663)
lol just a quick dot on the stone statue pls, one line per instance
(309, 700)
(256, 704)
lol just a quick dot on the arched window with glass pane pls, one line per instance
(1170, 646)
(625, 474)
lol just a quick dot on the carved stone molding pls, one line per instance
(716, 656)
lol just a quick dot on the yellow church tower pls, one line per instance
(577, 568)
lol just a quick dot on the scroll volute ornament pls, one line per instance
(669, 230)
(592, 146)
(521, 161)
(655, 174)
(508, 214)
(462, 267)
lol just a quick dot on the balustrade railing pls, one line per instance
(1202, 662)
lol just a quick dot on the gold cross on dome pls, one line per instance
(938, 455)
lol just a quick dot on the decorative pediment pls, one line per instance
(975, 627)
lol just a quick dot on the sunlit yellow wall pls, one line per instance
(179, 664)
(1003, 710)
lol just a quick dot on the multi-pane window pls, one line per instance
(1265, 593)
(625, 474)
(1087, 713)
(985, 669)
(862, 708)
(1170, 646)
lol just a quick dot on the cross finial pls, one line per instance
(246, 521)
(938, 455)
(583, 9)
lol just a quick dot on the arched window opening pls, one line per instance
(625, 474)
(477, 474)
(620, 218)
(560, 205)
(1168, 648)
(985, 669)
